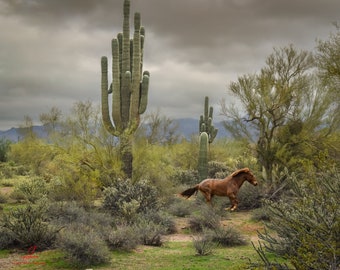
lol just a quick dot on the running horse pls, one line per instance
(228, 186)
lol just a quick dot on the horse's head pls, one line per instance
(247, 174)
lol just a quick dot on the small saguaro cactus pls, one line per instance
(129, 87)
(207, 134)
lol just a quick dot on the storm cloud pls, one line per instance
(50, 50)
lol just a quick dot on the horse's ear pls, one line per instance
(244, 170)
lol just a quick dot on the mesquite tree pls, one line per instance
(129, 87)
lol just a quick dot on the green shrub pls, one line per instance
(260, 214)
(207, 218)
(124, 237)
(203, 245)
(33, 189)
(6, 239)
(28, 226)
(185, 177)
(249, 196)
(3, 198)
(4, 149)
(65, 213)
(180, 207)
(150, 232)
(306, 225)
(226, 237)
(218, 169)
(127, 199)
(83, 245)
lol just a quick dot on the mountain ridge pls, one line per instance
(187, 127)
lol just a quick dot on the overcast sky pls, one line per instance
(50, 50)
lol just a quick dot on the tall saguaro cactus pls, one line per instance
(207, 134)
(129, 87)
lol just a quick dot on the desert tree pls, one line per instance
(282, 108)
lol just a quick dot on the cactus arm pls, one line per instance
(125, 71)
(136, 75)
(144, 93)
(126, 38)
(105, 103)
(116, 98)
(125, 89)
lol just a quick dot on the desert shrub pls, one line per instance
(161, 218)
(28, 226)
(226, 236)
(83, 245)
(260, 214)
(127, 199)
(74, 185)
(218, 169)
(3, 198)
(17, 195)
(6, 238)
(33, 189)
(124, 237)
(207, 218)
(203, 245)
(304, 228)
(150, 232)
(250, 197)
(180, 207)
(65, 213)
(185, 177)
(4, 149)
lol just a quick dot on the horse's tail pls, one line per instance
(189, 192)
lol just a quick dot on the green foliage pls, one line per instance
(226, 236)
(184, 177)
(33, 153)
(66, 213)
(205, 219)
(307, 224)
(124, 238)
(126, 199)
(28, 226)
(250, 197)
(150, 232)
(83, 245)
(4, 149)
(155, 163)
(290, 115)
(218, 169)
(180, 208)
(33, 189)
(203, 245)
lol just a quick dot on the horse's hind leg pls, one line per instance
(233, 201)
(207, 196)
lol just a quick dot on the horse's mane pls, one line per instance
(244, 170)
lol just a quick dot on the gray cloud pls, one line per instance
(50, 50)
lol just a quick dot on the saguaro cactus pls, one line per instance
(129, 87)
(207, 134)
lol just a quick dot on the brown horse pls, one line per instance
(228, 186)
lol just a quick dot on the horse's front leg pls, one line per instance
(233, 201)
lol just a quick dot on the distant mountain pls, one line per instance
(15, 134)
(189, 126)
(186, 127)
